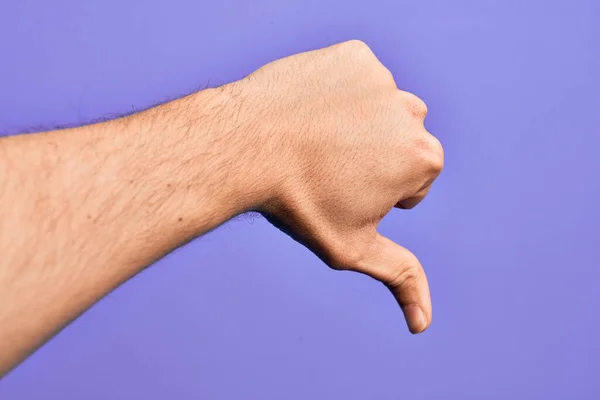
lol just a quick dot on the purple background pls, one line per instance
(509, 235)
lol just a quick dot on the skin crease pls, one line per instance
(322, 143)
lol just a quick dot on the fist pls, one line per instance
(341, 146)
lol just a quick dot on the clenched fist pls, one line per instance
(340, 146)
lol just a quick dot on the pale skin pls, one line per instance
(322, 143)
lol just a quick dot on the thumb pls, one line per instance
(401, 272)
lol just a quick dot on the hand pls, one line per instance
(344, 146)
(322, 143)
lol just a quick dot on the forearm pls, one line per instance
(323, 143)
(84, 209)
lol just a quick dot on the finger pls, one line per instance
(401, 272)
(412, 202)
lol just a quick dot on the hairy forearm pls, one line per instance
(322, 143)
(84, 209)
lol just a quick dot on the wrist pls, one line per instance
(223, 149)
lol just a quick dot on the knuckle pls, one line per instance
(430, 151)
(437, 165)
(358, 46)
(357, 51)
(436, 155)
(415, 105)
(406, 275)
(361, 55)
(387, 76)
